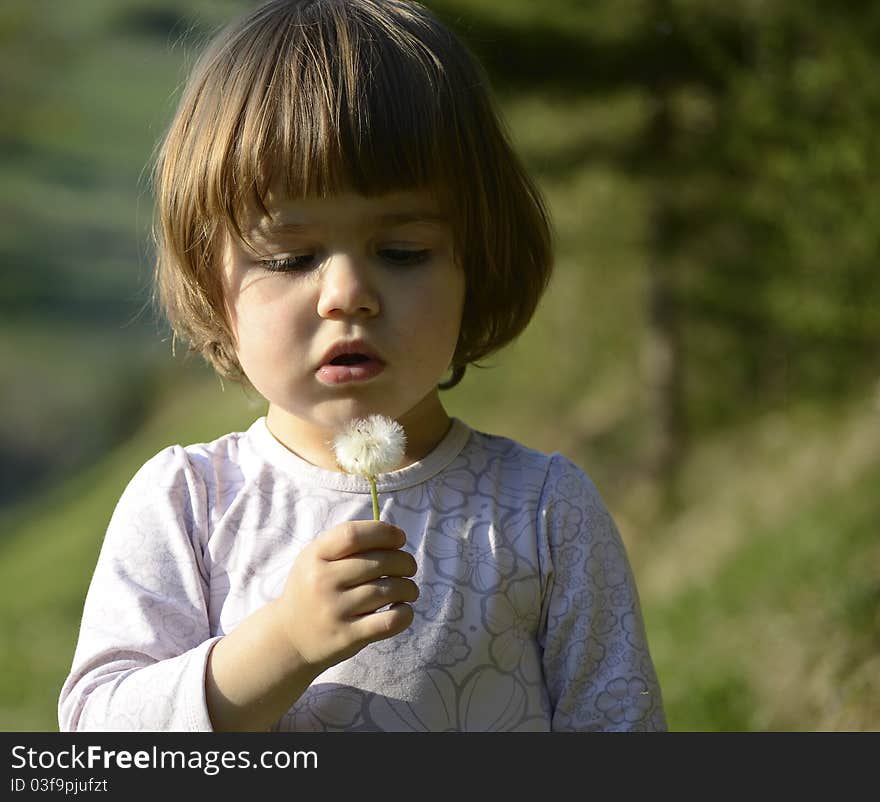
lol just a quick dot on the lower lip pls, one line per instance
(344, 374)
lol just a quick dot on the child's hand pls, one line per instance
(328, 607)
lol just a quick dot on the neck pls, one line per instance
(426, 425)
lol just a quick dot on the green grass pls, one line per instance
(782, 634)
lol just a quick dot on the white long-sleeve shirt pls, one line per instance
(528, 617)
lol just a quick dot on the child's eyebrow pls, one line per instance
(400, 218)
(387, 219)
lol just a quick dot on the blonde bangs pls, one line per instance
(322, 104)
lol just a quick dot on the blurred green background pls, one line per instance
(708, 350)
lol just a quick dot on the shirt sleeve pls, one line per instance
(598, 669)
(144, 639)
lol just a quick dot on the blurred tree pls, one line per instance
(781, 295)
(662, 358)
(757, 153)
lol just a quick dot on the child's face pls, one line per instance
(348, 306)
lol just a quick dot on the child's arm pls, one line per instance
(146, 660)
(329, 610)
(145, 634)
(596, 659)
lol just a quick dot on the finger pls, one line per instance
(371, 565)
(383, 623)
(382, 592)
(355, 537)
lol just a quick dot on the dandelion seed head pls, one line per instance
(370, 446)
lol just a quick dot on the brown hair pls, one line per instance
(366, 95)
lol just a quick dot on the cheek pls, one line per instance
(455, 305)
(449, 327)
(438, 318)
(266, 327)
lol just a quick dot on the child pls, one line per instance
(341, 222)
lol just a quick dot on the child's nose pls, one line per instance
(346, 288)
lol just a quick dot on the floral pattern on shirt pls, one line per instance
(528, 617)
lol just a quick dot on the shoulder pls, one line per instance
(506, 453)
(573, 509)
(179, 491)
(218, 458)
(187, 474)
(201, 459)
(564, 494)
(560, 477)
(569, 482)
(548, 478)
(505, 466)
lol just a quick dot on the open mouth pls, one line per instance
(349, 359)
(345, 363)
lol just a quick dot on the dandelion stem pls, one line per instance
(375, 495)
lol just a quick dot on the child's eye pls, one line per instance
(404, 256)
(289, 264)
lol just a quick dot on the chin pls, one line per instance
(338, 415)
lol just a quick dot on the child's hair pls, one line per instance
(369, 96)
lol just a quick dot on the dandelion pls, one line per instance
(368, 447)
